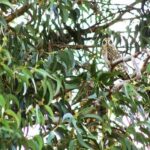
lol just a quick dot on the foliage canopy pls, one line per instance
(53, 77)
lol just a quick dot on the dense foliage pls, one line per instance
(53, 78)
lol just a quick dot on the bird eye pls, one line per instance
(104, 42)
(110, 42)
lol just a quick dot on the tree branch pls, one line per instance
(126, 59)
(17, 13)
(119, 86)
(145, 64)
(118, 18)
(79, 46)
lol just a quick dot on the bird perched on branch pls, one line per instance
(110, 54)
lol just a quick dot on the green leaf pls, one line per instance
(6, 129)
(8, 56)
(50, 137)
(8, 70)
(7, 3)
(85, 111)
(2, 101)
(129, 90)
(81, 141)
(85, 7)
(14, 115)
(12, 98)
(106, 78)
(34, 85)
(49, 110)
(72, 144)
(67, 58)
(65, 14)
(44, 86)
(31, 144)
(93, 116)
(24, 88)
(39, 116)
(42, 72)
(3, 21)
(39, 142)
(51, 90)
(27, 73)
(148, 68)
(93, 96)
(74, 83)
(59, 85)
(127, 144)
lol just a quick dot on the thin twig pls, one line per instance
(106, 25)
(73, 46)
(77, 47)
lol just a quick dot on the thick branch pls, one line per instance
(119, 86)
(126, 59)
(17, 13)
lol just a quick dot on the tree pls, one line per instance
(52, 74)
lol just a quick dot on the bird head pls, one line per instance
(107, 42)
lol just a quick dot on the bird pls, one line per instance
(110, 54)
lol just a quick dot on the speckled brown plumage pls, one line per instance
(110, 54)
